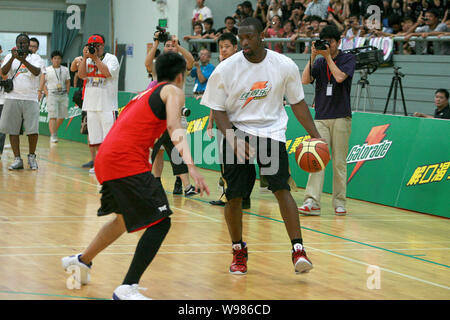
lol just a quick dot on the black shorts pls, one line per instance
(141, 200)
(272, 158)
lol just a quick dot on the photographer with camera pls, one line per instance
(201, 72)
(429, 25)
(101, 71)
(332, 74)
(21, 99)
(171, 44)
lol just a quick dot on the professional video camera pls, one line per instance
(163, 36)
(367, 57)
(7, 85)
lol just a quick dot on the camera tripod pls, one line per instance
(363, 83)
(395, 84)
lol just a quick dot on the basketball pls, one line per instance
(312, 155)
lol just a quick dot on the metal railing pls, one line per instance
(207, 42)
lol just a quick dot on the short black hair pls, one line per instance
(247, 4)
(35, 40)
(209, 21)
(168, 65)
(229, 18)
(228, 36)
(315, 18)
(23, 35)
(330, 32)
(56, 53)
(444, 91)
(434, 12)
(250, 21)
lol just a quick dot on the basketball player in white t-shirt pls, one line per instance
(246, 94)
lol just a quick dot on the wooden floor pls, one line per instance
(51, 213)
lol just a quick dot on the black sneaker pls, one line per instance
(178, 187)
(246, 203)
(217, 203)
(89, 164)
(190, 191)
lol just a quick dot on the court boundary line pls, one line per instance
(335, 236)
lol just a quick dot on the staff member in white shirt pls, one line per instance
(56, 88)
(22, 102)
(101, 71)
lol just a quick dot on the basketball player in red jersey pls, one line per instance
(128, 187)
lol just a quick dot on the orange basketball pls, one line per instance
(312, 155)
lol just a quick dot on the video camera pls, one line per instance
(367, 57)
(163, 36)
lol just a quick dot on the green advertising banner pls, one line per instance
(396, 161)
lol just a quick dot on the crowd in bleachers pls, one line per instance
(293, 19)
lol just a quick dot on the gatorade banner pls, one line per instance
(396, 161)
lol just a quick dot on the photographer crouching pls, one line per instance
(332, 73)
(21, 99)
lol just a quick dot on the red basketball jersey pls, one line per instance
(125, 150)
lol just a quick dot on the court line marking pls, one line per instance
(338, 237)
(263, 251)
(383, 269)
(49, 295)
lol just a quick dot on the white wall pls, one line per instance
(134, 23)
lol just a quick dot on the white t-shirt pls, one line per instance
(56, 79)
(26, 84)
(101, 92)
(252, 93)
(202, 14)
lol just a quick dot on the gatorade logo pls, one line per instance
(259, 90)
(374, 148)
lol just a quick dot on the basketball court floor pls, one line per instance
(373, 253)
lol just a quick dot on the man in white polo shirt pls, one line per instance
(56, 88)
(101, 71)
(21, 103)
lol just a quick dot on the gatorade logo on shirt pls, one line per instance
(258, 91)
(22, 69)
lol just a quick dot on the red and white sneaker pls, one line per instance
(340, 211)
(302, 264)
(240, 257)
(309, 208)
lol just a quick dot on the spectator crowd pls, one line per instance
(293, 19)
